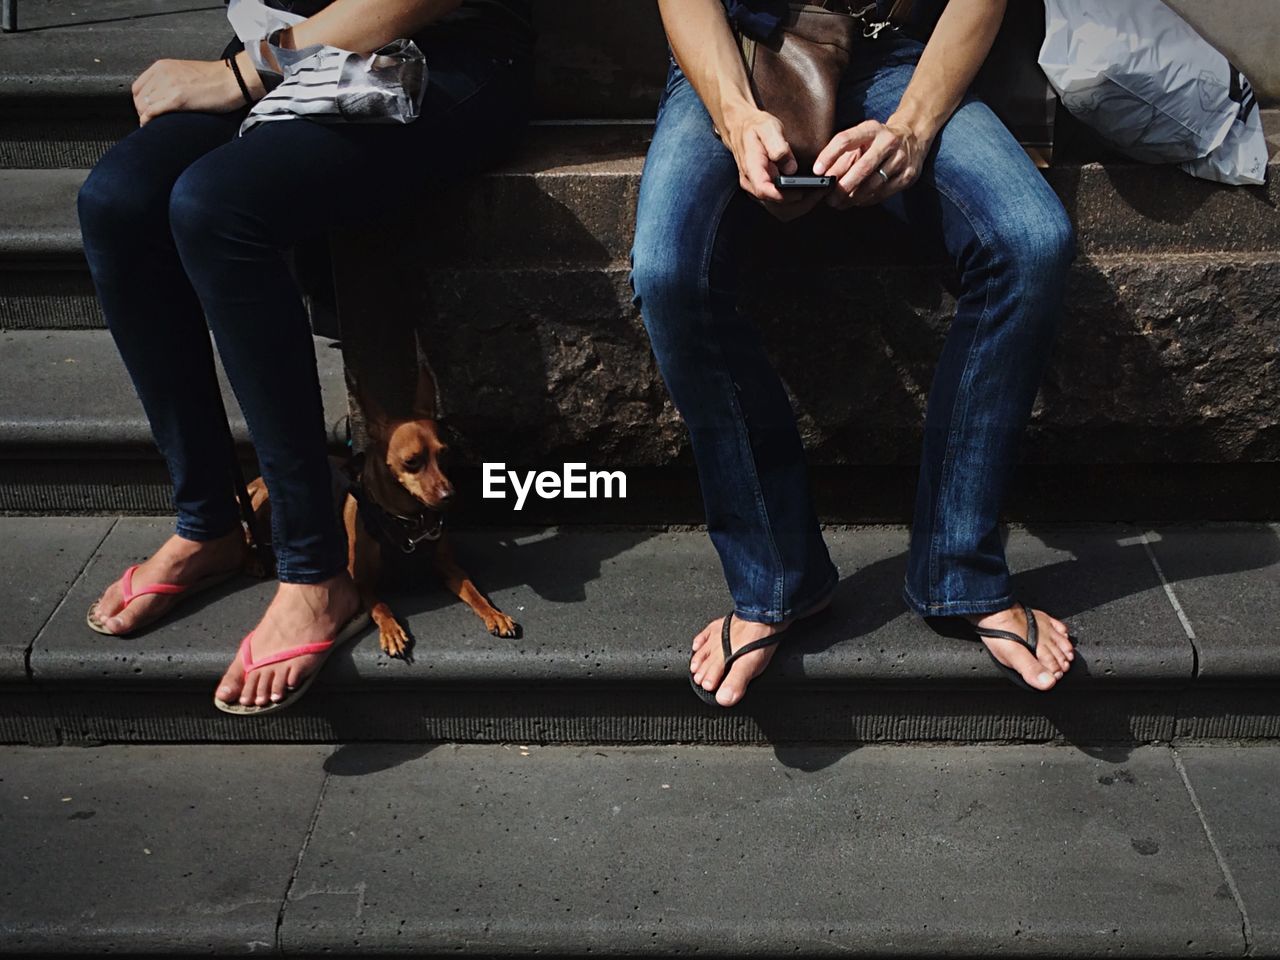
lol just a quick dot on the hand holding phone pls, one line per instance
(803, 183)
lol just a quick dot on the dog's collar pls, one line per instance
(405, 532)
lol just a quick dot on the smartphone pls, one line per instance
(793, 183)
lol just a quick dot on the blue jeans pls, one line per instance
(981, 199)
(185, 222)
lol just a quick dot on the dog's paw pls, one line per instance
(392, 639)
(500, 625)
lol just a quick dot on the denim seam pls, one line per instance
(960, 411)
(797, 608)
(954, 607)
(704, 274)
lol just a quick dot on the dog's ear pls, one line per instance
(375, 418)
(425, 394)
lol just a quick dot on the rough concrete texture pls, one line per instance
(150, 849)
(98, 47)
(1239, 793)
(1160, 360)
(575, 191)
(44, 556)
(69, 387)
(600, 607)
(510, 850)
(940, 851)
(192, 647)
(1235, 637)
(40, 219)
(607, 618)
(628, 714)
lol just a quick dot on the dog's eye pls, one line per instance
(413, 465)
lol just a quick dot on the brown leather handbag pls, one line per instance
(796, 73)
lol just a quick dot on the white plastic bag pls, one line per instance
(1153, 88)
(1242, 156)
(325, 83)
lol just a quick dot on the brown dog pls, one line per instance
(397, 498)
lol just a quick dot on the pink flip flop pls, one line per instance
(163, 589)
(323, 647)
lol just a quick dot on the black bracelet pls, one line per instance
(244, 87)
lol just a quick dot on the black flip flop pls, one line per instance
(1030, 641)
(730, 656)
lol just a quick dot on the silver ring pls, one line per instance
(880, 171)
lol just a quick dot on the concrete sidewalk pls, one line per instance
(1175, 627)
(722, 851)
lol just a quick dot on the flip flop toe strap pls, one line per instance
(1030, 641)
(250, 665)
(731, 656)
(129, 594)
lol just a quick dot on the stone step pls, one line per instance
(1175, 632)
(74, 438)
(68, 391)
(1158, 404)
(627, 851)
(576, 189)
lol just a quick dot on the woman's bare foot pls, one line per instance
(179, 561)
(1054, 650)
(707, 665)
(300, 613)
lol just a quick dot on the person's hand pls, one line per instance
(870, 162)
(762, 153)
(171, 85)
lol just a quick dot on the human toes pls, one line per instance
(700, 640)
(734, 686)
(109, 604)
(278, 686)
(1053, 635)
(142, 610)
(710, 671)
(248, 690)
(701, 649)
(232, 683)
(1028, 665)
(1051, 659)
(1062, 636)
